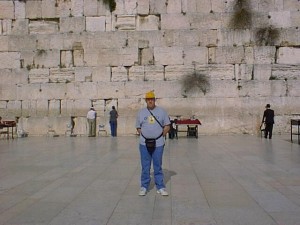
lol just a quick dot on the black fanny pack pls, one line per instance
(151, 143)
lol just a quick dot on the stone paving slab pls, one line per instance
(212, 180)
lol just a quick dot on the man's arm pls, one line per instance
(166, 130)
(138, 130)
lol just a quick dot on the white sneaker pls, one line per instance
(163, 192)
(143, 191)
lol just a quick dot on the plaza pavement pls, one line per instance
(212, 180)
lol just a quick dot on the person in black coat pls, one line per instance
(268, 119)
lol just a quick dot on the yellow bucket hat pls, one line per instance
(150, 94)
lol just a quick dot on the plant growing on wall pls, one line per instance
(266, 36)
(111, 4)
(195, 82)
(242, 16)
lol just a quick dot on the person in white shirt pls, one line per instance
(91, 119)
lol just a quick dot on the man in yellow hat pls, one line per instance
(152, 123)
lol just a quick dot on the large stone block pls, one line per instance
(83, 74)
(192, 6)
(49, 9)
(158, 7)
(62, 75)
(264, 55)
(217, 71)
(8, 91)
(119, 73)
(285, 72)
(232, 37)
(52, 91)
(77, 8)
(20, 27)
(288, 55)
(136, 73)
(72, 24)
(294, 91)
(43, 26)
(21, 43)
(13, 77)
(20, 10)
(177, 72)
(154, 72)
(146, 56)
(206, 21)
(243, 71)
(95, 24)
(112, 90)
(48, 59)
(6, 26)
(38, 76)
(33, 9)
(143, 7)
(7, 10)
(168, 89)
(10, 60)
(153, 38)
(280, 19)
(168, 55)
(232, 55)
(3, 42)
(149, 22)
(174, 6)
(125, 22)
(262, 72)
(174, 21)
(194, 55)
(90, 8)
(101, 74)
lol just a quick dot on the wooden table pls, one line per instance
(191, 127)
(9, 124)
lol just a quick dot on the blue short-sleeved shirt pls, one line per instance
(149, 126)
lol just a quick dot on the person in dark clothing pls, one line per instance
(113, 121)
(268, 119)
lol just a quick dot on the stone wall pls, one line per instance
(59, 57)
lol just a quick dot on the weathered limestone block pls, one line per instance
(231, 37)
(52, 91)
(81, 107)
(72, 24)
(94, 24)
(114, 57)
(280, 19)
(82, 90)
(21, 43)
(20, 27)
(289, 37)
(177, 72)
(90, 7)
(174, 21)
(243, 71)
(38, 76)
(40, 108)
(288, 55)
(194, 55)
(264, 55)
(49, 41)
(54, 107)
(43, 26)
(78, 59)
(218, 6)
(130, 6)
(294, 90)
(168, 55)
(158, 7)
(7, 10)
(119, 73)
(147, 56)
(49, 9)
(262, 71)
(3, 42)
(62, 75)
(77, 8)
(154, 72)
(149, 22)
(8, 91)
(249, 55)
(83, 74)
(66, 59)
(6, 26)
(167, 89)
(285, 72)
(103, 40)
(47, 58)
(113, 90)
(136, 73)
(92, 56)
(19, 10)
(16, 76)
(28, 91)
(254, 88)
(128, 56)
(291, 5)
(191, 6)
(9, 60)
(101, 74)
(33, 9)
(67, 107)
(216, 71)
(174, 6)
(125, 22)
(153, 38)
(64, 8)
(295, 18)
(205, 21)
(143, 7)
(232, 55)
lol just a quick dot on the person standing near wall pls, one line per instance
(113, 121)
(268, 119)
(91, 119)
(152, 124)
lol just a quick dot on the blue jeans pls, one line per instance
(113, 128)
(146, 159)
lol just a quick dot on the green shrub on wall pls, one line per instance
(242, 15)
(266, 36)
(111, 4)
(195, 82)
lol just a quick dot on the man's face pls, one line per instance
(150, 103)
